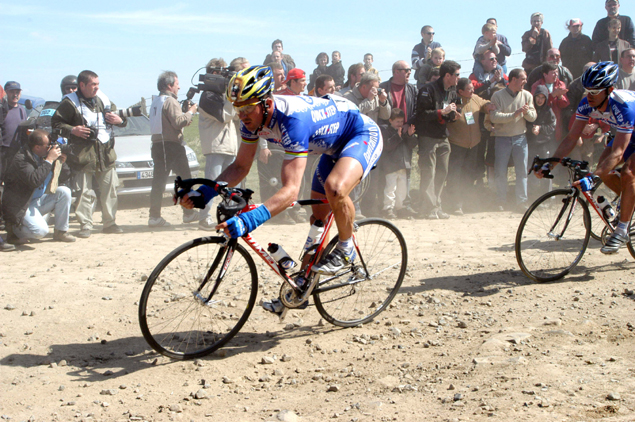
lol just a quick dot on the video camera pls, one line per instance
(215, 82)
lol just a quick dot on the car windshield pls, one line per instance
(139, 125)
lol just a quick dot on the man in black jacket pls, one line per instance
(25, 200)
(436, 106)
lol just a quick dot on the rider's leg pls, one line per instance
(627, 204)
(611, 180)
(346, 174)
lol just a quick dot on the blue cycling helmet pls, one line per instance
(600, 76)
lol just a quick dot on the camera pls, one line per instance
(54, 142)
(459, 104)
(215, 82)
(379, 91)
(128, 112)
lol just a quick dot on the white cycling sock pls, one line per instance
(622, 228)
(346, 246)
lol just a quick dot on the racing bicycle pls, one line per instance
(202, 293)
(555, 231)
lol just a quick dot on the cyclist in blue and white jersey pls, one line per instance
(350, 144)
(616, 108)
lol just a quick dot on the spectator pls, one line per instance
(12, 115)
(422, 75)
(355, 72)
(541, 138)
(626, 80)
(574, 95)
(25, 201)
(576, 48)
(68, 84)
(368, 64)
(336, 70)
(321, 60)
(627, 32)
(83, 119)
(217, 126)
(434, 75)
(421, 52)
(489, 41)
(491, 80)
(398, 144)
(278, 76)
(465, 137)
(296, 82)
(324, 84)
(287, 61)
(557, 98)
(514, 107)
(239, 63)
(553, 57)
(401, 93)
(505, 49)
(366, 97)
(167, 122)
(610, 50)
(535, 42)
(436, 106)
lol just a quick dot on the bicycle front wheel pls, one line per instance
(186, 310)
(356, 295)
(553, 235)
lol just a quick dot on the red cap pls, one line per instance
(295, 74)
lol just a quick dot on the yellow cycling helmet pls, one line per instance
(250, 85)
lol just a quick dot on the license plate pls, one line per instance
(145, 174)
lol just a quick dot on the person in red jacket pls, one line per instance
(557, 95)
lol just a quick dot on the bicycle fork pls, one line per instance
(225, 255)
(573, 196)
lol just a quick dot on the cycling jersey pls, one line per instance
(619, 114)
(330, 125)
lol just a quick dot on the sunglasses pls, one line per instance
(245, 109)
(406, 70)
(593, 92)
(492, 59)
(430, 33)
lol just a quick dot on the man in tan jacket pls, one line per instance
(168, 147)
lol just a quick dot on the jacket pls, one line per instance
(505, 123)
(504, 50)
(336, 70)
(26, 173)
(485, 88)
(460, 132)
(316, 72)
(397, 152)
(419, 53)
(431, 99)
(601, 30)
(575, 53)
(173, 120)
(563, 74)
(536, 48)
(85, 155)
(411, 101)
(371, 108)
(556, 104)
(545, 118)
(219, 137)
(603, 51)
(288, 62)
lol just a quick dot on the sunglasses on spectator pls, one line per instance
(492, 59)
(245, 109)
(430, 33)
(408, 70)
(593, 92)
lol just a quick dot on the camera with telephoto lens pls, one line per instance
(54, 142)
(128, 112)
(215, 82)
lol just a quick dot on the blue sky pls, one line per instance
(129, 43)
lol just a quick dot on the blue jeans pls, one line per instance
(516, 147)
(34, 226)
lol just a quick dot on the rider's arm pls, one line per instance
(570, 141)
(291, 176)
(620, 142)
(239, 169)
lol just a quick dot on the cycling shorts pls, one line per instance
(365, 146)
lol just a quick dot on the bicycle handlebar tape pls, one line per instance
(247, 222)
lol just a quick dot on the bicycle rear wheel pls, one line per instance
(355, 296)
(548, 244)
(175, 316)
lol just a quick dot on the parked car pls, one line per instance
(134, 165)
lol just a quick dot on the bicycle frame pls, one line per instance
(594, 204)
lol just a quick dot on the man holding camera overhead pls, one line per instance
(26, 199)
(85, 118)
(167, 122)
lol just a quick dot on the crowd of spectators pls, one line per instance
(466, 132)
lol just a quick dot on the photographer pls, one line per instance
(25, 200)
(369, 99)
(85, 118)
(217, 126)
(167, 121)
(436, 107)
